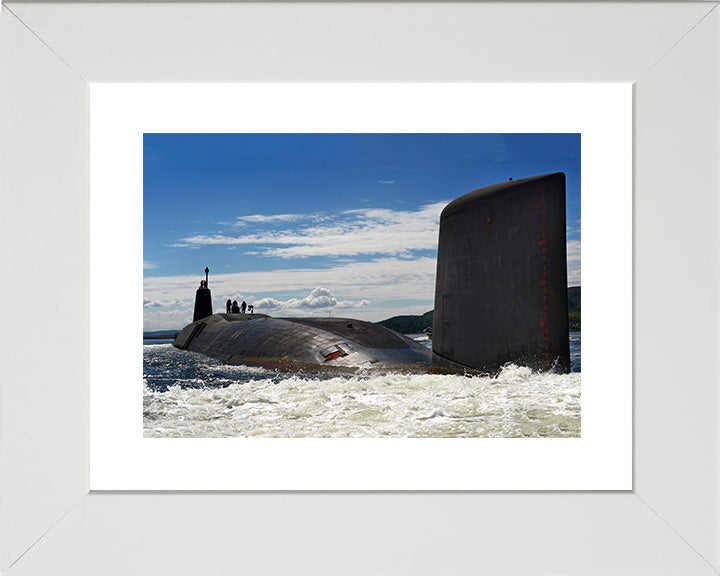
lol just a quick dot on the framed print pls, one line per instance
(120, 115)
(53, 519)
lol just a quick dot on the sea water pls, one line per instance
(189, 395)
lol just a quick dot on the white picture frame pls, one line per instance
(667, 524)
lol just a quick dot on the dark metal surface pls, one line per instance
(203, 304)
(501, 286)
(302, 343)
(364, 333)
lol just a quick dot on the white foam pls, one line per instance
(516, 403)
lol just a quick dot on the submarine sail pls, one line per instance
(501, 283)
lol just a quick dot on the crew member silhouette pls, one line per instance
(228, 306)
(243, 307)
(235, 307)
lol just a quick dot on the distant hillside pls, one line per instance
(574, 308)
(409, 324)
(159, 334)
(416, 324)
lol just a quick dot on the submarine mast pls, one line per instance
(203, 300)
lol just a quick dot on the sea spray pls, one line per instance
(189, 395)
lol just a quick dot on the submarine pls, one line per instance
(302, 344)
(500, 297)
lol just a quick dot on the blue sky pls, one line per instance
(320, 224)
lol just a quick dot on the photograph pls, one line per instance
(361, 285)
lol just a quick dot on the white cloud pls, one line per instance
(386, 181)
(166, 319)
(157, 303)
(373, 290)
(351, 233)
(573, 262)
(266, 218)
(148, 265)
(319, 300)
(376, 280)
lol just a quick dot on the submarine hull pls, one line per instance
(303, 343)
